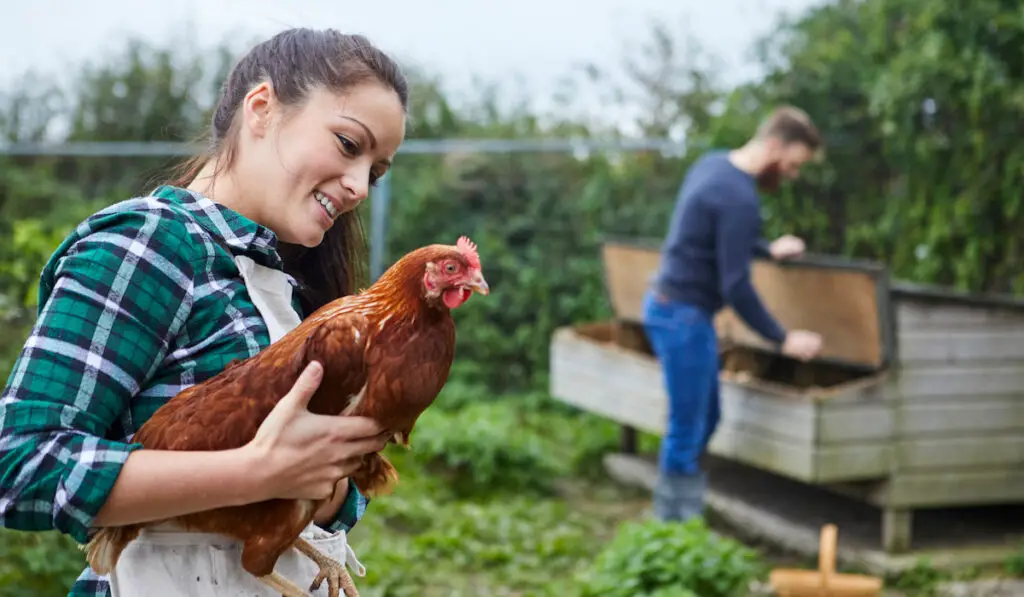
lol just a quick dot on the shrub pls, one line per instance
(654, 559)
(484, 447)
(43, 563)
(1014, 564)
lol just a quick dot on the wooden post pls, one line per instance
(630, 336)
(897, 527)
(628, 440)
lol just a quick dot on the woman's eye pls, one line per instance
(347, 144)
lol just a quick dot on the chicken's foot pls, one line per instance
(279, 583)
(333, 572)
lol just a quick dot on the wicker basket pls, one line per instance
(824, 582)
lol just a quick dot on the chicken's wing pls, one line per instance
(226, 411)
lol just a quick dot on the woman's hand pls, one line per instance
(300, 455)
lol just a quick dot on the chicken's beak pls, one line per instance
(479, 285)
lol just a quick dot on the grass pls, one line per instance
(499, 498)
(494, 499)
(418, 542)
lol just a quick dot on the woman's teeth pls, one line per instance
(323, 200)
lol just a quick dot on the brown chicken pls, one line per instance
(386, 354)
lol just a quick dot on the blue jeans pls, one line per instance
(683, 339)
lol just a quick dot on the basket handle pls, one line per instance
(827, 558)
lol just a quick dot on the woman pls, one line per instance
(154, 294)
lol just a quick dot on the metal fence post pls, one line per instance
(380, 201)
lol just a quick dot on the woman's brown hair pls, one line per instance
(296, 62)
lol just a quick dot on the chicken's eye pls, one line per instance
(450, 268)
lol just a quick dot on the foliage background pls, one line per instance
(921, 103)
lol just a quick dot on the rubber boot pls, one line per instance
(679, 497)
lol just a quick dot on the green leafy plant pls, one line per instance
(43, 564)
(920, 580)
(32, 243)
(1014, 564)
(654, 558)
(484, 447)
(922, 171)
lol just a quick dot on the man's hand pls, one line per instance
(786, 247)
(802, 345)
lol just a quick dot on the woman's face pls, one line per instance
(307, 165)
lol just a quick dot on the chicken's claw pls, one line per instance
(337, 577)
(287, 588)
(339, 581)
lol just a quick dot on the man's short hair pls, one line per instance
(791, 125)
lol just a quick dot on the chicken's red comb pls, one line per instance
(468, 249)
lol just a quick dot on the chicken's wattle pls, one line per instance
(453, 297)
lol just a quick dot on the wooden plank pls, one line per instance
(903, 290)
(897, 529)
(840, 304)
(626, 386)
(616, 404)
(639, 377)
(847, 462)
(960, 347)
(856, 423)
(793, 418)
(962, 452)
(601, 378)
(969, 415)
(816, 381)
(953, 488)
(632, 337)
(778, 433)
(836, 297)
(772, 454)
(934, 316)
(972, 380)
(628, 271)
(853, 462)
(806, 421)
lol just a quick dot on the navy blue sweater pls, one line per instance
(714, 233)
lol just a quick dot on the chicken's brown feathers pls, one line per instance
(408, 369)
(339, 344)
(386, 354)
(377, 476)
(190, 421)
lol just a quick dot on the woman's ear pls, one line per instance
(257, 108)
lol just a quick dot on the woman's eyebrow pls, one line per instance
(369, 133)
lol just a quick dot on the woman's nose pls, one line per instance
(357, 185)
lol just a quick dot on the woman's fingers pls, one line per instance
(304, 387)
(354, 428)
(361, 447)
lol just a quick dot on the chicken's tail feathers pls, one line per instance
(105, 547)
(377, 477)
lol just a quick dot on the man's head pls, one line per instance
(787, 140)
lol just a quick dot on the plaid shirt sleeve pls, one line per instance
(350, 512)
(111, 298)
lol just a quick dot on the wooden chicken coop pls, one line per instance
(917, 400)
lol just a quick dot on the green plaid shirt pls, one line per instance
(141, 301)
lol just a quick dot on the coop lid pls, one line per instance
(847, 301)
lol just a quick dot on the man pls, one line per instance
(705, 264)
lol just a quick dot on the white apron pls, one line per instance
(169, 562)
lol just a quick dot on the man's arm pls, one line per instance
(762, 248)
(736, 235)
